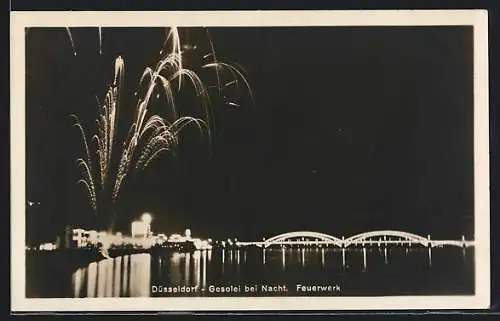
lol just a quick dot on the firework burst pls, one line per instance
(150, 134)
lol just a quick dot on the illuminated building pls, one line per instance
(78, 239)
(139, 229)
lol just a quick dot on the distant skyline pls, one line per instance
(352, 129)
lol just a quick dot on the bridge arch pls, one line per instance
(391, 233)
(310, 234)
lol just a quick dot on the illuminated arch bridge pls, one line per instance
(372, 238)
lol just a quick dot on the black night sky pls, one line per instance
(351, 129)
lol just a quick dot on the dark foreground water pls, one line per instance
(252, 272)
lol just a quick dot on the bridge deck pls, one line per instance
(432, 243)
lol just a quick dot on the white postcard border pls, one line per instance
(476, 18)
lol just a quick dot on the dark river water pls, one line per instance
(253, 272)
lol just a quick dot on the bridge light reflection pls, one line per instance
(283, 258)
(364, 258)
(204, 270)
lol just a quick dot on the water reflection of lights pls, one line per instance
(364, 258)
(117, 275)
(130, 276)
(91, 277)
(283, 258)
(126, 273)
(196, 268)
(127, 276)
(204, 269)
(78, 281)
(187, 263)
(189, 269)
(175, 268)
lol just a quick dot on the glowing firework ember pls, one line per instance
(149, 135)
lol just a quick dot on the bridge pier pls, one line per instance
(429, 242)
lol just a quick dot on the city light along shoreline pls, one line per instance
(143, 240)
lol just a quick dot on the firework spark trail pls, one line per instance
(88, 180)
(148, 135)
(237, 75)
(172, 65)
(212, 54)
(140, 126)
(169, 69)
(71, 40)
(164, 137)
(173, 32)
(100, 40)
(70, 36)
(106, 122)
(104, 138)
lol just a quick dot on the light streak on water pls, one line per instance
(187, 268)
(117, 275)
(175, 268)
(204, 270)
(140, 281)
(148, 135)
(283, 258)
(126, 273)
(78, 279)
(92, 280)
(364, 258)
(197, 267)
(109, 277)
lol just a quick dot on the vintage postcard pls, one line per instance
(257, 160)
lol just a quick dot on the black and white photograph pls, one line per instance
(250, 160)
